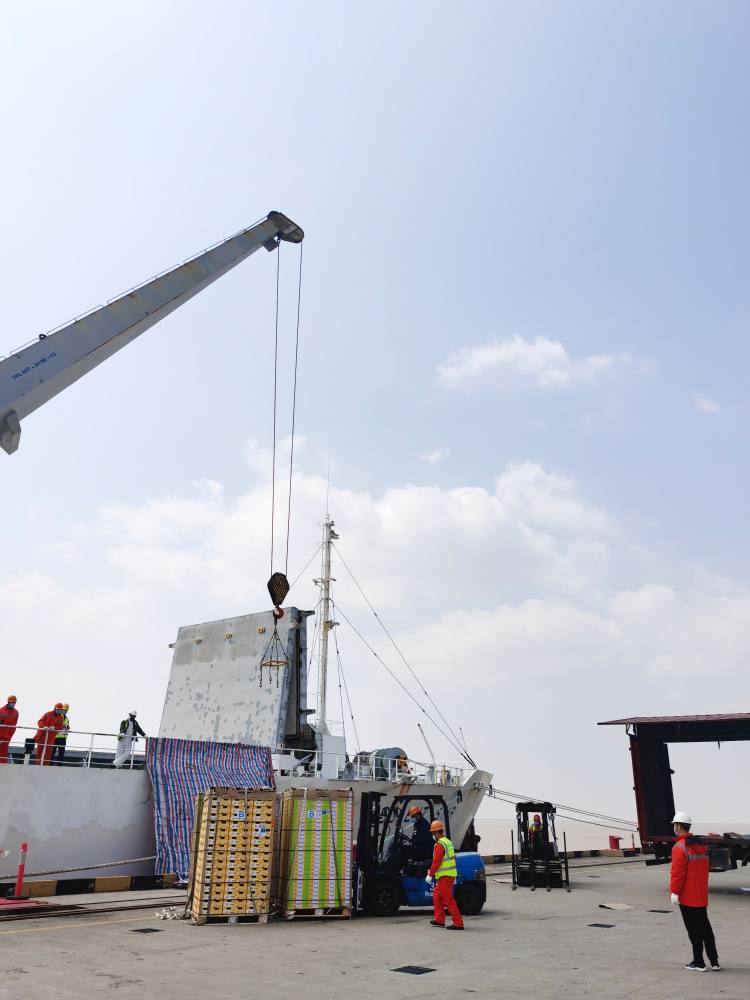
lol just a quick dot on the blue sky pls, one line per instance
(572, 175)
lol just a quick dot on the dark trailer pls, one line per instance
(652, 777)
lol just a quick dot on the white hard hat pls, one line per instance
(134, 714)
(682, 818)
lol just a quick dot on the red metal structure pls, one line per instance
(652, 779)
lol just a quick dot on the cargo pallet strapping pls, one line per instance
(232, 861)
(315, 853)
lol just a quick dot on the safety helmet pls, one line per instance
(58, 706)
(66, 706)
(436, 826)
(134, 713)
(12, 698)
(537, 818)
(682, 818)
(414, 811)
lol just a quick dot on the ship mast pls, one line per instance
(326, 622)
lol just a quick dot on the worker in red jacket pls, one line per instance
(8, 723)
(688, 886)
(443, 869)
(49, 725)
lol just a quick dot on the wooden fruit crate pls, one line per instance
(231, 869)
(315, 853)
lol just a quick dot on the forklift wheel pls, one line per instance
(470, 898)
(385, 899)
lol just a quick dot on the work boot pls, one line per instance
(455, 927)
(436, 923)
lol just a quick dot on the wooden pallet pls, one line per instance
(342, 912)
(248, 918)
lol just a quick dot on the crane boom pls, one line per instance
(36, 373)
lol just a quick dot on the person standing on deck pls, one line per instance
(61, 740)
(443, 869)
(49, 724)
(128, 735)
(8, 723)
(688, 885)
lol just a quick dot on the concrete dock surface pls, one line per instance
(524, 944)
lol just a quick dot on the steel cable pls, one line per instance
(464, 752)
(404, 688)
(275, 385)
(294, 413)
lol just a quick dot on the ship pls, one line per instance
(240, 680)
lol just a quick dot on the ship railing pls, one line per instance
(80, 748)
(364, 767)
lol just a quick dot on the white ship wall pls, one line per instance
(74, 816)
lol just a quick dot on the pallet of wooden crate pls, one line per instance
(315, 853)
(231, 872)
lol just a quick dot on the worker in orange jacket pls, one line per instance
(8, 723)
(49, 724)
(443, 869)
(688, 886)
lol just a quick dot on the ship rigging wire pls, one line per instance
(405, 689)
(460, 745)
(625, 825)
(518, 797)
(342, 677)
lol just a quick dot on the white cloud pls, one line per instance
(504, 600)
(435, 456)
(543, 363)
(704, 404)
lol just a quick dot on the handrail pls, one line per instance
(57, 748)
(98, 749)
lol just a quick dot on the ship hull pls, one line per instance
(77, 821)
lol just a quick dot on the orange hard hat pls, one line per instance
(12, 697)
(58, 705)
(436, 826)
(66, 706)
(414, 810)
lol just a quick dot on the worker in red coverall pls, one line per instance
(49, 725)
(688, 886)
(443, 869)
(8, 723)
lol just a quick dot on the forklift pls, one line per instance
(394, 853)
(538, 863)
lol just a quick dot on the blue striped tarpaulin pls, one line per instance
(179, 770)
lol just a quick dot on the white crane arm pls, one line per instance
(34, 374)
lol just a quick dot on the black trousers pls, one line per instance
(58, 751)
(700, 933)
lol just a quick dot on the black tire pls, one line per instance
(385, 898)
(470, 897)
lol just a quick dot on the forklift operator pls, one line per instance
(421, 841)
(535, 837)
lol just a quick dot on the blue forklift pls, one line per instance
(394, 852)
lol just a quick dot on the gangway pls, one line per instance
(35, 373)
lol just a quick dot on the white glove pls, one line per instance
(429, 880)
(675, 899)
